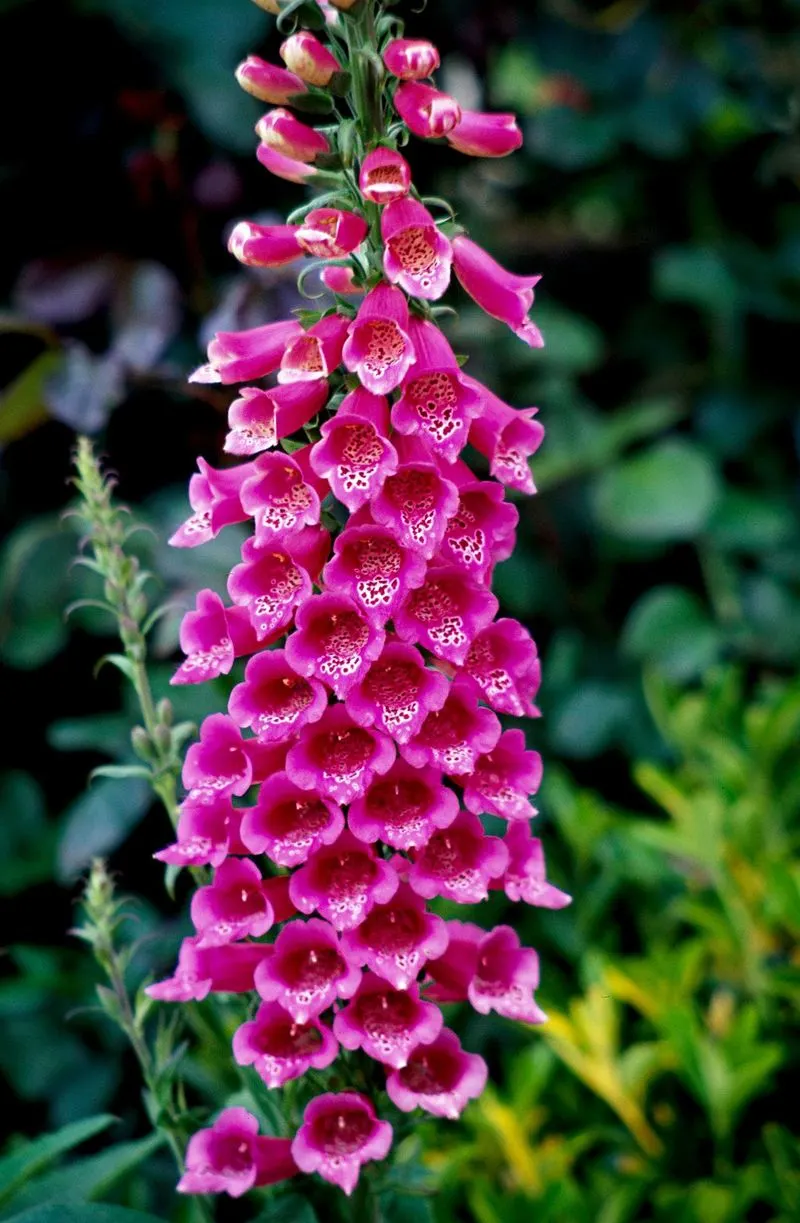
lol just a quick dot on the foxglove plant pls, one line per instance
(344, 789)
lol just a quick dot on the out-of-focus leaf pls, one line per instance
(26, 837)
(698, 275)
(35, 1156)
(571, 140)
(85, 387)
(108, 733)
(747, 522)
(589, 720)
(667, 493)
(84, 1179)
(670, 627)
(288, 1208)
(57, 1212)
(34, 576)
(146, 315)
(571, 342)
(98, 821)
(22, 404)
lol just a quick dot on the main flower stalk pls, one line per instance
(345, 787)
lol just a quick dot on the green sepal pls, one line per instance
(300, 13)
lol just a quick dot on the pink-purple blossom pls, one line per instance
(305, 970)
(230, 1157)
(280, 1048)
(339, 1134)
(439, 1078)
(388, 1024)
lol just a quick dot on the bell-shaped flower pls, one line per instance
(272, 581)
(459, 862)
(240, 356)
(354, 453)
(258, 419)
(316, 353)
(305, 55)
(215, 498)
(417, 502)
(279, 1048)
(340, 279)
(279, 129)
(502, 294)
(437, 402)
(446, 614)
(212, 637)
(269, 82)
(334, 641)
(340, 1132)
(287, 823)
(507, 437)
(396, 939)
(387, 1023)
(504, 663)
(306, 971)
(426, 111)
(481, 532)
(287, 168)
(330, 233)
(411, 59)
(232, 1158)
(378, 348)
(264, 246)
(205, 970)
(404, 808)
(385, 176)
(221, 762)
(374, 568)
(450, 974)
(337, 757)
(274, 701)
(481, 134)
(397, 692)
(503, 779)
(278, 498)
(440, 1078)
(525, 876)
(417, 256)
(233, 906)
(505, 978)
(343, 882)
(455, 737)
(207, 832)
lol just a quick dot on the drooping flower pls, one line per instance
(417, 502)
(437, 403)
(371, 566)
(305, 55)
(279, 499)
(264, 246)
(274, 700)
(454, 737)
(279, 1048)
(207, 832)
(315, 353)
(240, 356)
(212, 637)
(338, 757)
(417, 256)
(403, 808)
(479, 134)
(525, 876)
(330, 233)
(343, 882)
(426, 111)
(507, 437)
(205, 970)
(378, 347)
(397, 692)
(388, 1024)
(340, 1133)
(221, 762)
(269, 82)
(215, 498)
(500, 293)
(306, 971)
(411, 59)
(396, 939)
(504, 663)
(354, 452)
(459, 862)
(385, 176)
(258, 419)
(481, 532)
(334, 641)
(440, 1078)
(283, 132)
(445, 614)
(230, 1157)
(287, 823)
(502, 780)
(289, 168)
(271, 582)
(450, 974)
(505, 978)
(234, 906)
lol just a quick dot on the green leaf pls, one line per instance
(35, 1156)
(26, 835)
(573, 343)
(98, 822)
(288, 1208)
(54, 1212)
(667, 493)
(22, 405)
(747, 522)
(404, 1208)
(670, 627)
(84, 1179)
(698, 275)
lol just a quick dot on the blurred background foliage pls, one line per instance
(659, 570)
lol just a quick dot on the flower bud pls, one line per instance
(281, 131)
(164, 711)
(411, 59)
(426, 111)
(284, 167)
(385, 176)
(485, 135)
(268, 82)
(305, 55)
(142, 743)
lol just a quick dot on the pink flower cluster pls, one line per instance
(367, 722)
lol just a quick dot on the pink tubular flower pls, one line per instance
(238, 356)
(437, 402)
(337, 757)
(264, 246)
(445, 614)
(439, 1078)
(212, 637)
(343, 882)
(503, 779)
(459, 862)
(231, 1158)
(396, 939)
(280, 1048)
(354, 453)
(269, 82)
(258, 419)
(281, 131)
(504, 663)
(385, 176)
(452, 972)
(215, 498)
(485, 135)
(481, 532)
(426, 111)
(417, 256)
(316, 353)
(411, 59)
(274, 700)
(397, 692)
(417, 502)
(371, 566)
(205, 970)
(506, 977)
(287, 823)
(340, 280)
(221, 762)
(387, 1023)
(526, 875)
(333, 641)
(278, 498)
(507, 437)
(305, 55)
(287, 168)
(404, 808)
(453, 737)
(207, 832)
(271, 582)
(233, 907)
(330, 233)
(501, 294)
(378, 347)
(306, 971)
(340, 1133)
